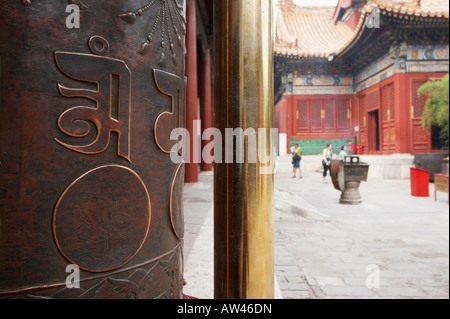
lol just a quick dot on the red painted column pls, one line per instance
(290, 118)
(402, 113)
(206, 107)
(191, 91)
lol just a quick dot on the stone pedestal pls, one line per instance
(351, 194)
(347, 177)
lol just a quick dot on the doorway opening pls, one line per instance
(437, 141)
(374, 131)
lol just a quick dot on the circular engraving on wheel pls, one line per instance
(102, 219)
(98, 45)
(176, 202)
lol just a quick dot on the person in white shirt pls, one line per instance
(326, 160)
(343, 153)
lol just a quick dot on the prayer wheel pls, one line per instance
(90, 92)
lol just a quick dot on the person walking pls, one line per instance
(296, 158)
(327, 156)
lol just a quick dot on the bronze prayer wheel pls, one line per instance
(86, 177)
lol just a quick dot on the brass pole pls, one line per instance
(243, 193)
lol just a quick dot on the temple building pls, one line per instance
(350, 73)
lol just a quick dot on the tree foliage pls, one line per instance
(436, 108)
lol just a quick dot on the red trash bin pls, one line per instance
(420, 182)
(352, 148)
(360, 149)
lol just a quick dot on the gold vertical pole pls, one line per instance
(243, 200)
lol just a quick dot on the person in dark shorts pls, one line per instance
(296, 158)
(327, 156)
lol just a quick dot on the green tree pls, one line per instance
(436, 108)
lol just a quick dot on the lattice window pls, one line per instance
(343, 113)
(303, 120)
(418, 101)
(362, 111)
(385, 100)
(372, 100)
(392, 100)
(330, 115)
(316, 114)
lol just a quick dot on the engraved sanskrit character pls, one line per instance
(74, 121)
(174, 87)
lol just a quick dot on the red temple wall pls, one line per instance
(388, 115)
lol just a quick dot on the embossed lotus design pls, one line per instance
(170, 14)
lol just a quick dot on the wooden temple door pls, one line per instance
(373, 121)
(86, 174)
(317, 116)
(323, 116)
(343, 116)
(420, 138)
(302, 116)
(388, 118)
(329, 116)
(363, 127)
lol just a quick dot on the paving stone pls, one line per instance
(347, 291)
(401, 292)
(296, 279)
(297, 294)
(294, 286)
(329, 281)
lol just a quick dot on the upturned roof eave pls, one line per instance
(361, 29)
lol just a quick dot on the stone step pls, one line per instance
(396, 166)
